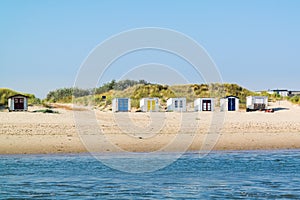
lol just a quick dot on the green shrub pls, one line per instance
(295, 99)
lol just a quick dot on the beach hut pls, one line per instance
(18, 102)
(121, 105)
(149, 104)
(229, 103)
(256, 103)
(176, 104)
(204, 104)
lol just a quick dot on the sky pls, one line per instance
(253, 43)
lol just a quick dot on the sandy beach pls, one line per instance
(35, 133)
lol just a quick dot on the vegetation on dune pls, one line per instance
(102, 96)
(5, 93)
(186, 91)
(154, 90)
(119, 86)
(295, 99)
(65, 95)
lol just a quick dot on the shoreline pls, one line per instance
(161, 153)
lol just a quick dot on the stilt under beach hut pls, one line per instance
(176, 104)
(121, 105)
(18, 102)
(229, 103)
(150, 104)
(204, 104)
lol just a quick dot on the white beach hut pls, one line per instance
(204, 104)
(121, 105)
(229, 103)
(18, 102)
(149, 104)
(256, 103)
(176, 104)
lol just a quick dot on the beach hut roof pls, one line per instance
(230, 96)
(17, 95)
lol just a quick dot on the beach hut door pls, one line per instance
(231, 104)
(153, 105)
(206, 106)
(123, 104)
(19, 103)
(150, 105)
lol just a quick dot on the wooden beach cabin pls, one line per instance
(229, 103)
(256, 103)
(204, 104)
(18, 102)
(176, 104)
(121, 105)
(149, 104)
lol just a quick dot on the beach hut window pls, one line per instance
(176, 104)
(180, 104)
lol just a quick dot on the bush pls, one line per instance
(120, 85)
(295, 99)
(65, 95)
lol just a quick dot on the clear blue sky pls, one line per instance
(253, 43)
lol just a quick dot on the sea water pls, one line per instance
(219, 175)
